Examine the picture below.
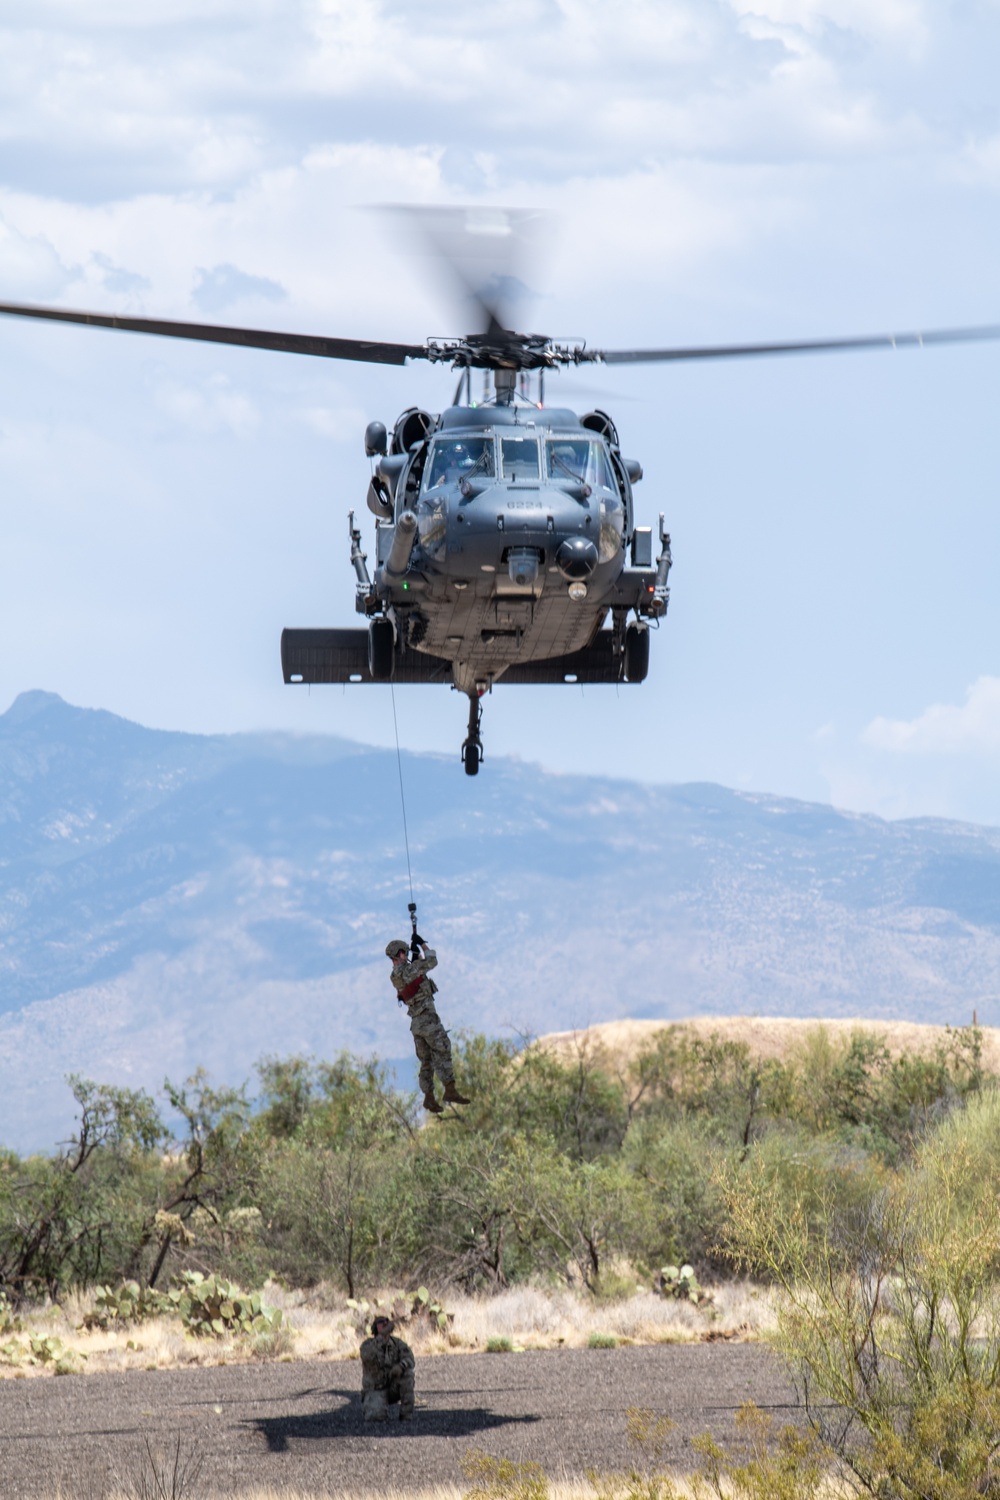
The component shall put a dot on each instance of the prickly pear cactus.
(402, 1307)
(680, 1282)
(128, 1303)
(212, 1306)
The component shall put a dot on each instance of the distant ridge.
(173, 900)
(766, 1036)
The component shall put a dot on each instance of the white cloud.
(32, 268)
(340, 424)
(903, 22)
(136, 99)
(211, 406)
(969, 728)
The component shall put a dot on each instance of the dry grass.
(559, 1489)
(767, 1036)
(323, 1327)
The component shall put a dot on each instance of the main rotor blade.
(799, 346)
(480, 252)
(369, 351)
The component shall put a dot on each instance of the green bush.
(602, 1341)
(892, 1314)
(502, 1479)
(567, 1167)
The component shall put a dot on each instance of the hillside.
(171, 900)
(778, 1037)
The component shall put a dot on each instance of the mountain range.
(170, 901)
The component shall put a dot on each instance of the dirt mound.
(767, 1036)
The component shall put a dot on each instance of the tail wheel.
(636, 653)
(381, 650)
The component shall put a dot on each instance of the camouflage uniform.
(386, 1377)
(429, 1036)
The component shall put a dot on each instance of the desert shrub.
(719, 1082)
(502, 1479)
(854, 1088)
(577, 1216)
(768, 1464)
(79, 1215)
(345, 1216)
(675, 1165)
(150, 1474)
(892, 1316)
(9, 1320)
(564, 1168)
(971, 1135)
(817, 1183)
(602, 1341)
(573, 1102)
(468, 1228)
(613, 1285)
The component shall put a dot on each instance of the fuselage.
(523, 518)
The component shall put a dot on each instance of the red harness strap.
(408, 992)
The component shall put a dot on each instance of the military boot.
(452, 1096)
(431, 1104)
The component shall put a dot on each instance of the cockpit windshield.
(580, 459)
(520, 458)
(459, 458)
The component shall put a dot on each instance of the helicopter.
(507, 548)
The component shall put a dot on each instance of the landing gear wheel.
(381, 650)
(472, 750)
(636, 653)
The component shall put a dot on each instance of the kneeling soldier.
(386, 1374)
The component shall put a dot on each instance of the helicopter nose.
(576, 557)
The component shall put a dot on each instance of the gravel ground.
(298, 1425)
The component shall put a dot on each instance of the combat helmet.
(395, 946)
(381, 1318)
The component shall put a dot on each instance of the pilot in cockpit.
(449, 466)
(568, 460)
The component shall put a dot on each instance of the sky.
(710, 172)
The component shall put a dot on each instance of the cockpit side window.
(459, 458)
(520, 458)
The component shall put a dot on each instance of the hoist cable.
(402, 799)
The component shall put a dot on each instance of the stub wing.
(342, 656)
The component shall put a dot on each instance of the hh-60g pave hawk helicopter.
(506, 546)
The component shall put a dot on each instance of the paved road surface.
(298, 1425)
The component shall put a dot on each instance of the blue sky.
(713, 172)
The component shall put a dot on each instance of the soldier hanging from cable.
(416, 990)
